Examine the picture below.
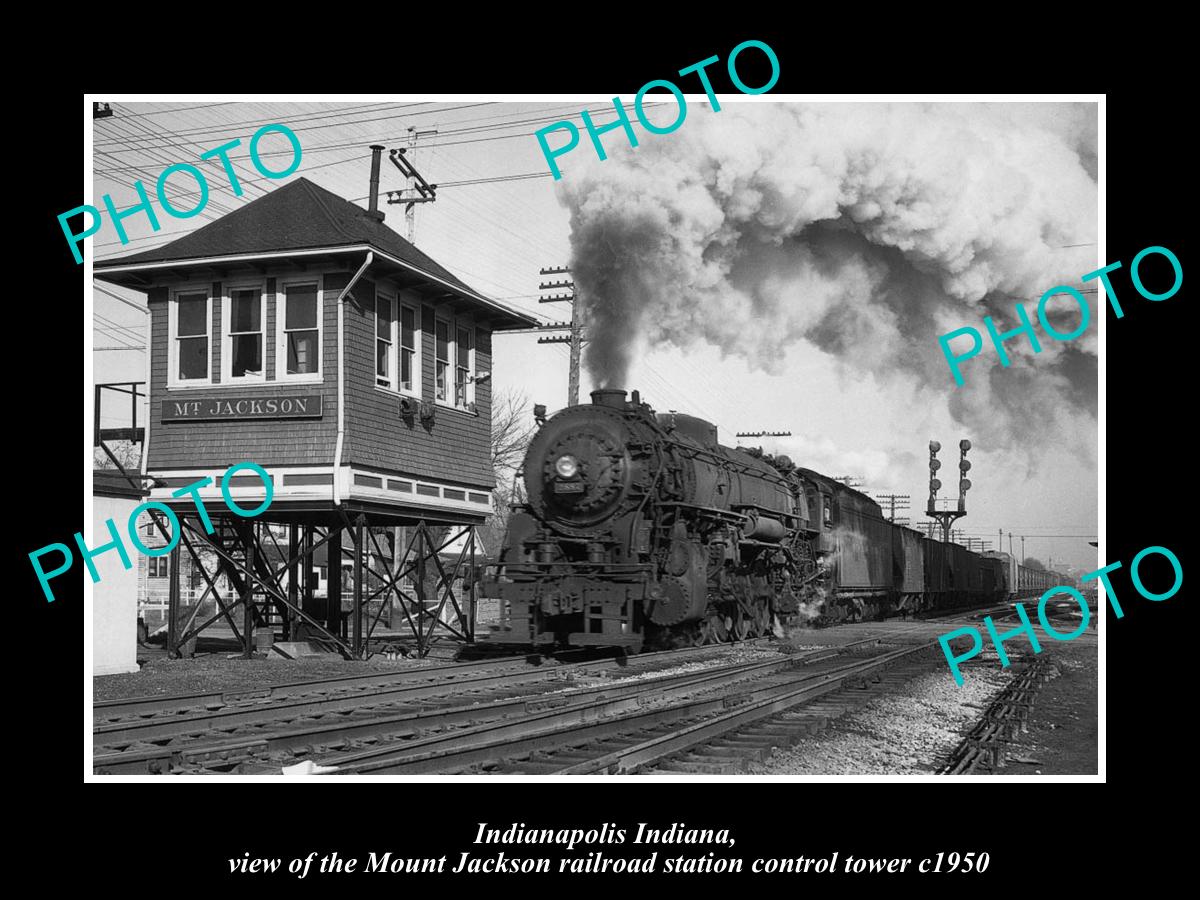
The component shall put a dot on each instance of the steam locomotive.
(641, 529)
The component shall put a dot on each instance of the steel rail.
(424, 721)
(585, 722)
(113, 710)
(146, 705)
(631, 758)
(385, 693)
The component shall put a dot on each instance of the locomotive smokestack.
(610, 397)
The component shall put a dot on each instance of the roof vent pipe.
(373, 210)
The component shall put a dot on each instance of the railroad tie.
(694, 768)
(807, 723)
(749, 744)
(570, 759)
(781, 736)
(757, 752)
(535, 768)
(710, 754)
(828, 710)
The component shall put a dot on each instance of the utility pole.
(417, 189)
(1010, 550)
(897, 501)
(1022, 549)
(573, 329)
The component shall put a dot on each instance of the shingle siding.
(455, 448)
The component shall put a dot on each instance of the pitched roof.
(299, 215)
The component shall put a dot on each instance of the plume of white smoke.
(865, 230)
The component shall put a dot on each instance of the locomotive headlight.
(567, 466)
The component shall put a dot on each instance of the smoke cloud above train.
(860, 230)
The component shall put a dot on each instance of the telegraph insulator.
(964, 485)
(935, 484)
(965, 465)
(964, 445)
(934, 446)
(934, 465)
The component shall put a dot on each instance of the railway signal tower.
(947, 517)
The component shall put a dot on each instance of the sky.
(780, 267)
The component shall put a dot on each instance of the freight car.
(641, 528)
(1021, 581)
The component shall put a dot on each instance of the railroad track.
(501, 715)
(631, 727)
(1006, 717)
(155, 734)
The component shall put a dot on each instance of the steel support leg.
(333, 598)
(359, 549)
(294, 567)
(422, 602)
(173, 604)
(248, 604)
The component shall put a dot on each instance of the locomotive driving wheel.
(742, 624)
(762, 621)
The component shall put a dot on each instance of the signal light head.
(935, 484)
(964, 485)
(965, 465)
(934, 446)
(964, 445)
(934, 465)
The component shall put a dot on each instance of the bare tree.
(128, 452)
(1034, 563)
(512, 429)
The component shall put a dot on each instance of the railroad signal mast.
(573, 329)
(947, 517)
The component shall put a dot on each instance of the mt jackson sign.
(201, 408)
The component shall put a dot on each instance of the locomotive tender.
(640, 528)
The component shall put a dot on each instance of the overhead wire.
(224, 130)
(178, 109)
(289, 119)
